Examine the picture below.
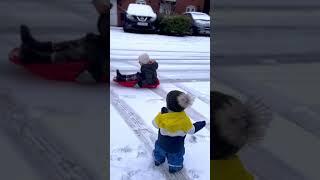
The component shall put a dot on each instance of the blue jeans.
(175, 160)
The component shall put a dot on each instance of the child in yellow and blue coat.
(174, 124)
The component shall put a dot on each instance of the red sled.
(133, 83)
(62, 71)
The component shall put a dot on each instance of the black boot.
(28, 40)
(118, 73)
(28, 56)
(119, 76)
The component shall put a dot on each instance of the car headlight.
(153, 19)
(130, 17)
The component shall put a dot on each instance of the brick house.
(159, 6)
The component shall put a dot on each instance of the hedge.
(174, 25)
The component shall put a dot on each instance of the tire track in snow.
(195, 93)
(154, 50)
(266, 165)
(160, 58)
(37, 144)
(113, 69)
(164, 78)
(143, 131)
(171, 80)
(167, 62)
(196, 116)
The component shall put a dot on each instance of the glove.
(199, 125)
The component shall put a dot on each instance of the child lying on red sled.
(146, 77)
(67, 60)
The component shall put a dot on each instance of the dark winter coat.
(148, 74)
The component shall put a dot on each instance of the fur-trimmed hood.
(177, 101)
(239, 123)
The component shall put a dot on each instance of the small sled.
(133, 83)
(61, 72)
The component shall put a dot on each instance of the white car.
(139, 17)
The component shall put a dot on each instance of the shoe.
(119, 76)
(174, 169)
(118, 72)
(156, 163)
(25, 34)
(32, 43)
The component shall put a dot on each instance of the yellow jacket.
(174, 122)
(230, 169)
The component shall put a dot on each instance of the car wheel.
(195, 32)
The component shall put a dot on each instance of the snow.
(183, 65)
(164, 67)
(200, 16)
(141, 10)
(128, 153)
(201, 87)
(129, 42)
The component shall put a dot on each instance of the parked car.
(139, 17)
(200, 23)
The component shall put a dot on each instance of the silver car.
(200, 23)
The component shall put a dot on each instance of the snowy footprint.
(156, 100)
(133, 163)
(194, 174)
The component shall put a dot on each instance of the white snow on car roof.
(140, 10)
(200, 16)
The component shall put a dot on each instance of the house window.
(141, 2)
(190, 8)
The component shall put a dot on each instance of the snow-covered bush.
(175, 25)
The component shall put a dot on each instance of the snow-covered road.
(184, 64)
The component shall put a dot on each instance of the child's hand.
(199, 125)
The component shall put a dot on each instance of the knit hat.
(177, 101)
(144, 58)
